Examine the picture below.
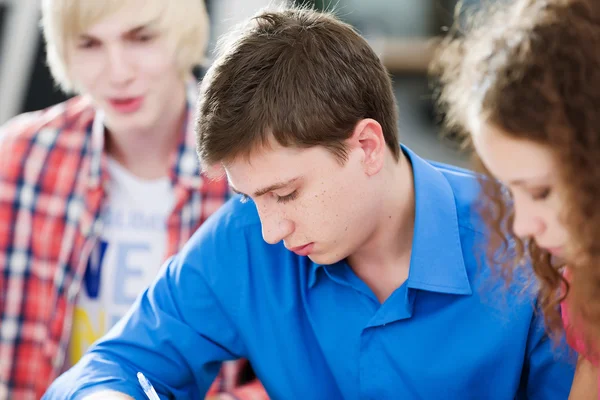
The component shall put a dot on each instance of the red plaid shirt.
(52, 179)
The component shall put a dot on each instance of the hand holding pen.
(147, 387)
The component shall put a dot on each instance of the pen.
(147, 386)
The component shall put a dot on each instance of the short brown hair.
(296, 75)
(533, 70)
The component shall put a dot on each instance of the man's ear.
(368, 137)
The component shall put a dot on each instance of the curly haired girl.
(523, 84)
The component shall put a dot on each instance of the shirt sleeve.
(176, 333)
(549, 367)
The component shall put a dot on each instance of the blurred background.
(403, 32)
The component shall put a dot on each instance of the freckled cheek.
(263, 210)
(326, 212)
(277, 212)
(320, 205)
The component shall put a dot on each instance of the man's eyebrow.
(267, 189)
(275, 186)
(133, 31)
(140, 28)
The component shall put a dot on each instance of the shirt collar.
(437, 263)
(185, 167)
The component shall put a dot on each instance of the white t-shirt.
(127, 257)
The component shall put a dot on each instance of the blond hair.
(186, 21)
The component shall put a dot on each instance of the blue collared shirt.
(318, 332)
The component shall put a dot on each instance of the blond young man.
(96, 192)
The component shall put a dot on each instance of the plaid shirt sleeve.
(229, 381)
(250, 391)
(24, 312)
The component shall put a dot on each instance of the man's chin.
(127, 123)
(323, 258)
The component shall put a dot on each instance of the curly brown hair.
(532, 68)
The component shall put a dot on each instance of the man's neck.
(146, 154)
(383, 262)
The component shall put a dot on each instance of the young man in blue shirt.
(351, 272)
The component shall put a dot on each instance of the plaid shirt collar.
(185, 168)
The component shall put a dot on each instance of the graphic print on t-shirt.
(127, 257)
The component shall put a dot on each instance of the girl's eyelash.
(541, 195)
